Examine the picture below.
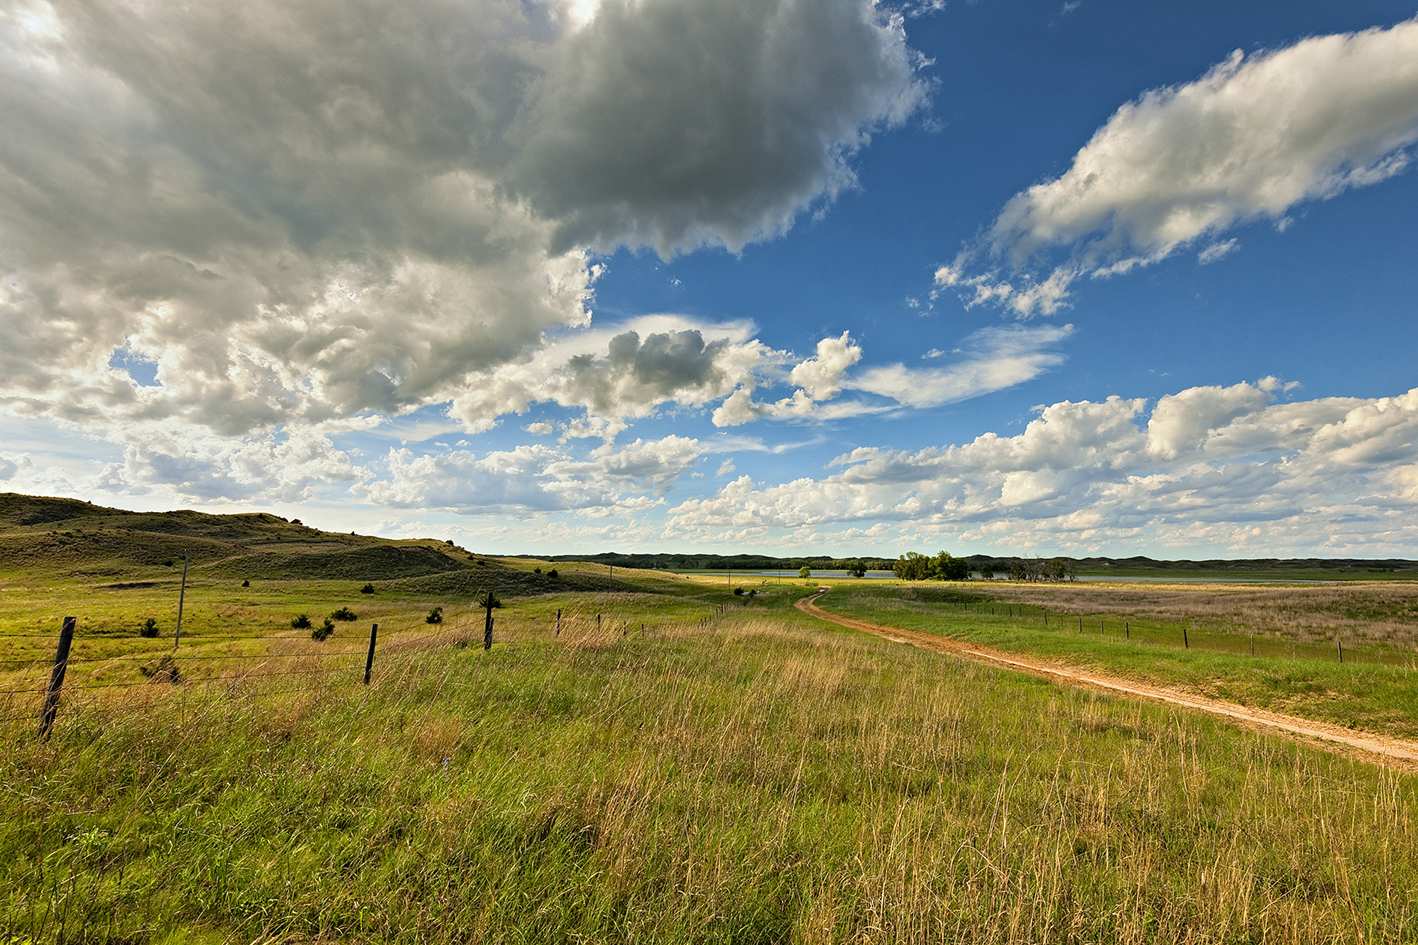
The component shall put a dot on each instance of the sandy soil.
(1390, 751)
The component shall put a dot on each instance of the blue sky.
(781, 276)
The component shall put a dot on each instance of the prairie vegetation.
(1374, 689)
(751, 778)
(643, 758)
(1364, 613)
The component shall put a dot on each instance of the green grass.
(755, 778)
(693, 766)
(1376, 689)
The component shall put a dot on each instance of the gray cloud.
(673, 124)
(315, 209)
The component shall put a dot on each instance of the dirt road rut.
(1391, 751)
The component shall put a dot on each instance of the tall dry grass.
(1378, 612)
(745, 780)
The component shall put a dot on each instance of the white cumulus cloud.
(1207, 464)
(1251, 139)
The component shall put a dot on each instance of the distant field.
(1143, 633)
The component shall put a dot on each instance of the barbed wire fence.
(72, 687)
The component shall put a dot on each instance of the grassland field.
(678, 764)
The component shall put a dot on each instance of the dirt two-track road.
(1391, 751)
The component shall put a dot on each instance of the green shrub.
(323, 631)
(434, 616)
(300, 622)
(344, 613)
(149, 628)
(367, 589)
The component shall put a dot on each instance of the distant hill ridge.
(70, 538)
(710, 562)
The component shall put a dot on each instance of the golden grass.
(1377, 612)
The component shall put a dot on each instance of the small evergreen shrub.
(367, 589)
(434, 616)
(322, 632)
(149, 628)
(344, 613)
(300, 622)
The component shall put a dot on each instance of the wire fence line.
(27, 697)
(172, 677)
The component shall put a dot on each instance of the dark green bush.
(300, 622)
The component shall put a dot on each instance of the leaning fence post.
(1186, 644)
(181, 596)
(56, 679)
(369, 660)
(558, 621)
(1341, 651)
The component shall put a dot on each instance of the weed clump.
(164, 670)
(149, 628)
(300, 622)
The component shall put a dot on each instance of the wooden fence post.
(1185, 642)
(1080, 624)
(369, 660)
(1341, 650)
(56, 679)
(558, 621)
(181, 596)
(1127, 630)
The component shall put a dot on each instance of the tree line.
(710, 562)
(943, 566)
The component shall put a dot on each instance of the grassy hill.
(44, 538)
(250, 575)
